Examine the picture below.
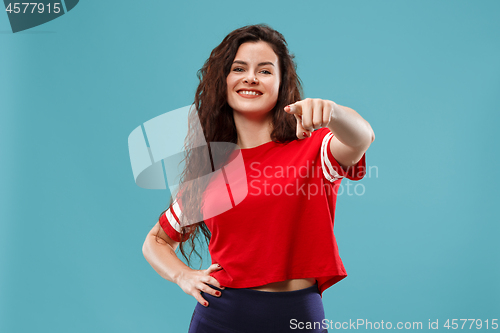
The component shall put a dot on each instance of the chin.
(252, 109)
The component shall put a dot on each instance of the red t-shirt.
(276, 224)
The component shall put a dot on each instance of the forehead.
(256, 51)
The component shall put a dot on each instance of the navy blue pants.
(248, 310)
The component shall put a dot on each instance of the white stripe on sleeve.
(170, 217)
(326, 165)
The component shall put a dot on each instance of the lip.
(249, 96)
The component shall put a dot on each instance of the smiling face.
(254, 79)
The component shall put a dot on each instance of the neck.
(252, 131)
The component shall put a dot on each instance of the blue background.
(420, 244)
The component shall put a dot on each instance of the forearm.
(161, 256)
(350, 128)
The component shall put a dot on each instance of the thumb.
(213, 267)
(296, 110)
(301, 132)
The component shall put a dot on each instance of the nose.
(251, 79)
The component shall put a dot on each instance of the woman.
(274, 252)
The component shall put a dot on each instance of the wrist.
(179, 275)
(333, 117)
(335, 112)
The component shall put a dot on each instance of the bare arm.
(161, 256)
(352, 135)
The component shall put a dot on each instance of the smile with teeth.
(247, 92)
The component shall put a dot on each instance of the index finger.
(295, 108)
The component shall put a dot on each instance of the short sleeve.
(332, 170)
(170, 221)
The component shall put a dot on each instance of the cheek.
(230, 80)
(229, 85)
(276, 89)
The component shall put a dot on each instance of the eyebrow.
(261, 64)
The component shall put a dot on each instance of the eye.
(236, 69)
(267, 72)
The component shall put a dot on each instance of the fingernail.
(205, 304)
(218, 265)
(304, 134)
(217, 293)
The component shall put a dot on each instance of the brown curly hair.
(216, 118)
